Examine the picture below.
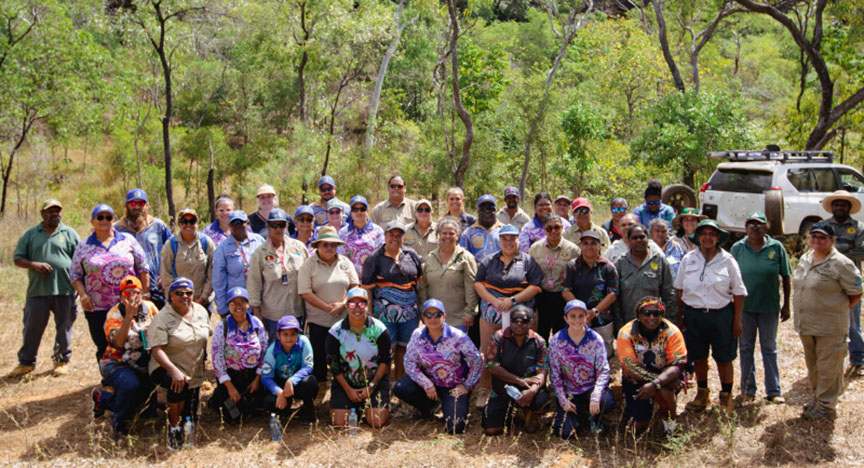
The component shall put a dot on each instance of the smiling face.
(755, 231)
(327, 191)
(393, 239)
(653, 203)
(509, 244)
(304, 223)
(689, 224)
(562, 208)
(638, 241)
(223, 209)
(238, 307)
(188, 225)
(433, 319)
(396, 189)
(288, 338)
(455, 201)
(659, 234)
(486, 215)
(840, 208)
(181, 299)
(238, 230)
(708, 237)
(650, 317)
(334, 217)
(576, 318)
(266, 202)
(820, 243)
(448, 237)
(542, 208)
(619, 209)
(520, 323)
(360, 214)
(102, 222)
(357, 309)
(423, 213)
(590, 248)
(553, 230)
(512, 202)
(327, 250)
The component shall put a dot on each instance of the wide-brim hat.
(327, 234)
(842, 195)
(724, 235)
(676, 221)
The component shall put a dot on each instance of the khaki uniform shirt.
(184, 340)
(573, 233)
(652, 278)
(264, 280)
(520, 219)
(821, 294)
(849, 239)
(192, 262)
(452, 284)
(423, 244)
(329, 282)
(553, 262)
(385, 212)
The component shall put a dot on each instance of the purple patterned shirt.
(533, 231)
(236, 349)
(577, 369)
(101, 269)
(214, 232)
(360, 243)
(450, 361)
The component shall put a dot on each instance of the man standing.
(512, 213)
(481, 239)
(582, 213)
(46, 250)
(396, 207)
(850, 242)
(653, 207)
(562, 208)
(151, 233)
(327, 189)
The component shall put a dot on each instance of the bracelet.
(656, 383)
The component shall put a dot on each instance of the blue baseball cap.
(304, 209)
(511, 191)
(237, 215)
(326, 180)
(181, 283)
(486, 199)
(359, 199)
(508, 229)
(136, 194)
(361, 293)
(102, 208)
(288, 322)
(434, 304)
(575, 304)
(234, 293)
(277, 214)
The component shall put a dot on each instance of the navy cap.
(136, 194)
(181, 283)
(508, 229)
(102, 208)
(304, 209)
(434, 304)
(575, 304)
(277, 214)
(486, 199)
(287, 323)
(234, 293)
(359, 199)
(237, 215)
(824, 228)
(326, 180)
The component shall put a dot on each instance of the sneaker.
(96, 397)
(482, 397)
(776, 399)
(747, 398)
(175, 438)
(60, 368)
(21, 370)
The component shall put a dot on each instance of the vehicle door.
(813, 185)
(852, 181)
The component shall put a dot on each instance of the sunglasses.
(424, 210)
(236, 223)
(620, 209)
(277, 225)
(753, 225)
(107, 217)
(184, 293)
(185, 221)
(433, 315)
(327, 245)
(486, 208)
(357, 305)
(355, 209)
(520, 320)
(652, 203)
(325, 189)
(396, 186)
(304, 219)
(554, 228)
(582, 210)
(653, 313)
(137, 203)
(334, 212)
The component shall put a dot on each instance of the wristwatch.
(656, 384)
(512, 299)
(372, 385)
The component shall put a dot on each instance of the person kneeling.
(580, 373)
(516, 357)
(653, 356)
(443, 364)
(287, 371)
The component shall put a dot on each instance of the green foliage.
(481, 77)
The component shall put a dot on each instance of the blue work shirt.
(151, 238)
(480, 241)
(230, 264)
(294, 365)
(666, 213)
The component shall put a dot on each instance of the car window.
(851, 181)
(740, 180)
(812, 180)
(825, 179)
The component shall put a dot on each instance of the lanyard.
(549, 266)
(243, 257)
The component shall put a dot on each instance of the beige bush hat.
(842, 195)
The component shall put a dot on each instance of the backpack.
(204, 240)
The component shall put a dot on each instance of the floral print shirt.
(448, 362)
(213, 231)
(235, 349)
(533, 231)
(643, 358)
(102, 268)
(674, 253)
(578, 368)
(357, 355)
(136, 351)
(360, 243)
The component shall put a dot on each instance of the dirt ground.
(46, 420)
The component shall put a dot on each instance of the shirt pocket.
(721, 281)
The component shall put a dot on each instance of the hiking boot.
(854, 371)
(96, 397)
(701, 402)
(307, 414)
(60, 368)
(21, 370)
(726, 404)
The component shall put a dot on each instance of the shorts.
(380, 397)
(400, 332)
(162, 378)
(712, 330)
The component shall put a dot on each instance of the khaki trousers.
(824, 356)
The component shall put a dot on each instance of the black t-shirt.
(522, 361)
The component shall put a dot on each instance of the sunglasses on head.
(277, 225)
(520, 320)
(355, 209)
(357, 305)
(619, 209)
(106, 217)
(583, 210)
(184, 292)
(184, 221)
(304, 219)
(652, 203)
(652, 312)
(554, 228)
(424, 210)
(137, 203)
(334, 212)
(396, 186)
(433, 315)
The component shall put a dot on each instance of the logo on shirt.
(343, 266)
(61, 239)
(654, 266)
(269, 258)
(153, 237)
(409, 238)
(477, 242)
(771, 255)
(851, 230)
(266, 368)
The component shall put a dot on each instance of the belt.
(706, 310)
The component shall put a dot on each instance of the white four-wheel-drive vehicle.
(788, 186)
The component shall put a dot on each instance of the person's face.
(304, 222)
(708, 238)
(689, 224)
(238, 230)
(266, 201)
(433, 319)
(327, 250)
(357, 309)
(590, 248)
(486, 214)
(520, 323)
(424, 213)
(288, 338)
(131, 296)
(755, 230)
(276, 229)
(509, 244)
(576, 318)
(448, 236)
(512, 201)
(840, 208)
(562, 208)
(619, 209)
(653, 203)
(51, 216)
(583, 216)
(393, 238)
(638, 242)
(820, 243)
(659, 234)
(650, 317)
(188, 224)
(238, 307)
(102, 221)
(455, 201)
(553, 230)
(542, 208)
(181, 299)
(224, 209)
(626, 222)
(396, 188)
(135, 208)
(359, 213)
(327, 191)
(334, 217)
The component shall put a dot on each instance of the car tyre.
(678, 196)
(774, 211)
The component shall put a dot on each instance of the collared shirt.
(231, 265)
(761, 271)
(613, 233)
(574, 235)
(272, 279)
(294, 365)
(319, 210)
(533, 231)
(508, 280)
(448, 362)
(357, 355)
(685, 243)
(522, 361)
(360, 243)
(665, 212)
(616, 251)
(674, 253)
(709, 285)
(643, 360)
(393, 282)
(652, 278)
(465, 219)
(849, 239)
(312, 238)
(330, 282)
(481, 241)
(192, 261)
(238, 350)
(103, 268)
(578, 368)
(821, 294)
(151, 239)
(421, 243)
(592, 284)
(553, 261)
(452, 284)
(184, 340)
(135, 353)
(385, 212)
(520, 219)
(215, 233)
(56, 250)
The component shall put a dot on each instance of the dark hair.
(550, 218)
(522, 308)
(654, 188)
(636, 226)
(617, 200)
(394, 176)
(650, 300)
(541, 196)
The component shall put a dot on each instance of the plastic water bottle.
(353, 423)
(188, 433)
(513, 392)
(275, 428)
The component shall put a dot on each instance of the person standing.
(562, 208)
(396, 207)
(231, 260)
(456, 208)
(620, 247)
(685, 225)
(533, 231)
(361, 236)
(582, 214)
(653, 207)
(849, 240)
(481, 239)
(642, 272)
(448, 275)
(321, 207)
(512, 213)
(336, 214)
(421, 235)
(618, 208)
(267, 201)
(46, 250)
(151, 233)
(219, 230)
(189, 254)
(762, 261)
(552, 255)
(305, 233)
(659, 231)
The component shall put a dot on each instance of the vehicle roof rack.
(768, 155)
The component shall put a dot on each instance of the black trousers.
(248, 402)
(550, 313)
(318, 339)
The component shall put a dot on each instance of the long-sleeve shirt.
(642, 358)
(294, 365)
(451, 283)
(533, 231)
(448, 362)
(653, 277)
(272, 279)
(151, 238)
(665, 212)
(230, 266)
(193, 260)
(360, 243)
(103, 268)
(578, 368)
(234, 349)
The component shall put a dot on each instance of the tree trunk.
(464, 116)
(664, 45)
(330, 126)
(26, 125)
(211, 189)
(301, 84)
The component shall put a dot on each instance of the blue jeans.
(455, 409)
(131, 390)
(270, 326)
(856, 341)
(566, 424)
(400, 332)
(766, 326)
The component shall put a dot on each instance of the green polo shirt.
(761, 273)
(57, 250)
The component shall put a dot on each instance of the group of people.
(444, 307)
